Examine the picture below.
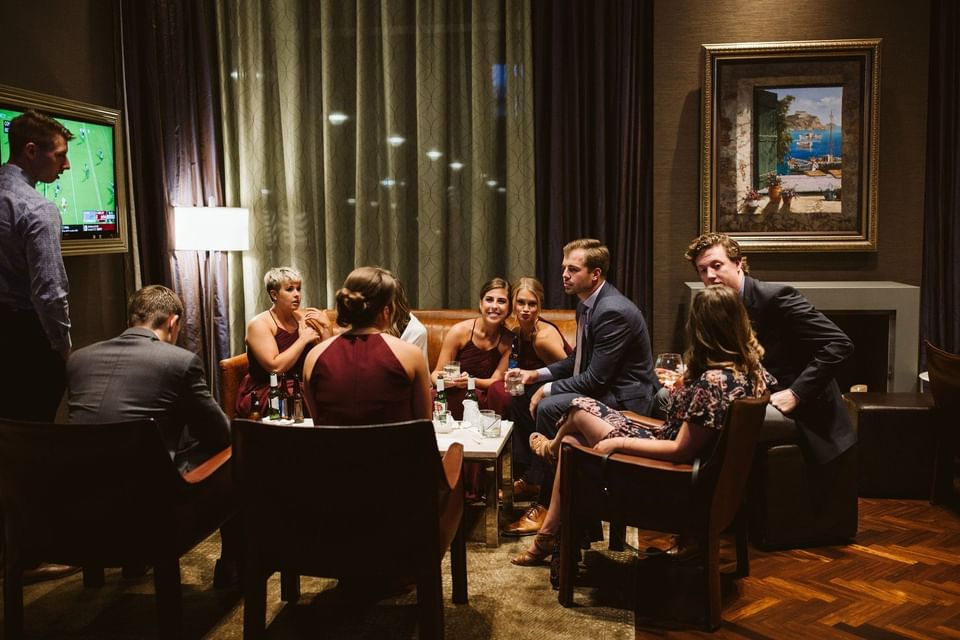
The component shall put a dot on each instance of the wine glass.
(668, 368)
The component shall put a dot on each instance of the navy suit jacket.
(803, 350)
(136, 375)
(616, 366)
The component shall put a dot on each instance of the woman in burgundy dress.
(364, 375)
(278, 339)
(539, 343)
(482, 345)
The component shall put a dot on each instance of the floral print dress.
(703, 401)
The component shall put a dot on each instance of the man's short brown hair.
(595, 253)
(33, 126)
(152, 306)
(705, 241)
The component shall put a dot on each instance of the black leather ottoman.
(793, 502)
(895, 434)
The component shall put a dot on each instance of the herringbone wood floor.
(901, 579)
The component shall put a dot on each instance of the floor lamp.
(206, 229)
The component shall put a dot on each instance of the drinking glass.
(513, 383)
(489, 424)
(668, 368)
(451, 370)
(442, 422)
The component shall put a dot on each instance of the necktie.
(581, 331)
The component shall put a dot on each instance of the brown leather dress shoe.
(529, 523)
(47, 571)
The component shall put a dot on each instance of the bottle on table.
(273, 399)
(296, 401)
(284, 397)
(471, 404)
(254, 407)
(440, 402)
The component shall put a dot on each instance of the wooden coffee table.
(495, 454)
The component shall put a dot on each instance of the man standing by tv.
(35, 338)
(34, 315)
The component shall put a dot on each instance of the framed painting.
(790, 130)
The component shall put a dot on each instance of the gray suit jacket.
(136, 375)
(803, 351)
(616, 366)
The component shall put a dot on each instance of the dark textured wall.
(67, 48)
(680, 27)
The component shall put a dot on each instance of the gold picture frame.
(790, 144)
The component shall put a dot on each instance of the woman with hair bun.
(364, 375)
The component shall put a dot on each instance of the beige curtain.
(388, 132)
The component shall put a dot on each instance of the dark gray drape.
(170, 62)
(593, 102)
(940, 307)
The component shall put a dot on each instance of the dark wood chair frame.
(104, 495)
(698, 500)
(305, 497)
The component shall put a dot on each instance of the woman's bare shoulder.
(262, 321)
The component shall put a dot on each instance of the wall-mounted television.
(92, 194)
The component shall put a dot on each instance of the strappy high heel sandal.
(540, 445)
(544, 546)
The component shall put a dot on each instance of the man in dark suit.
(803, 348)
(612, 361)
(143, 374)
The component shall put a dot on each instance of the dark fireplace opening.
(870, 364)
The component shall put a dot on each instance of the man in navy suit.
(612, 361)
(803, 348)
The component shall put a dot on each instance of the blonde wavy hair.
(720, 336)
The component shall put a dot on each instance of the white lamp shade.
(211, 228)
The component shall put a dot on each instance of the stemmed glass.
(668, 368)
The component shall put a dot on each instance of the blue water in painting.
(819, 148)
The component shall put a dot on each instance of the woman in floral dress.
(723, 365)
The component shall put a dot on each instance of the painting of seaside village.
(798, 142)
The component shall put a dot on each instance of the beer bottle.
(296, 401)
(440, 400)
(471, 390)
(254, 406)
(284, 397)
(273, 398)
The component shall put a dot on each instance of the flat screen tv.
(92, 194)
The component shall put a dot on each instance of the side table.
(896, 442)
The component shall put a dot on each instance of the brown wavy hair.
(401, 310)
(707, 240)
(720, 335)
(364, 294)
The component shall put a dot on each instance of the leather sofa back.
(439, 321)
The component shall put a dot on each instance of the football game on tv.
(86, 194)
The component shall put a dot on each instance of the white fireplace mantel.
(900, 301)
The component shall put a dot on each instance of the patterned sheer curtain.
(389, 132)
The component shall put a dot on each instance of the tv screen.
(91, 206)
